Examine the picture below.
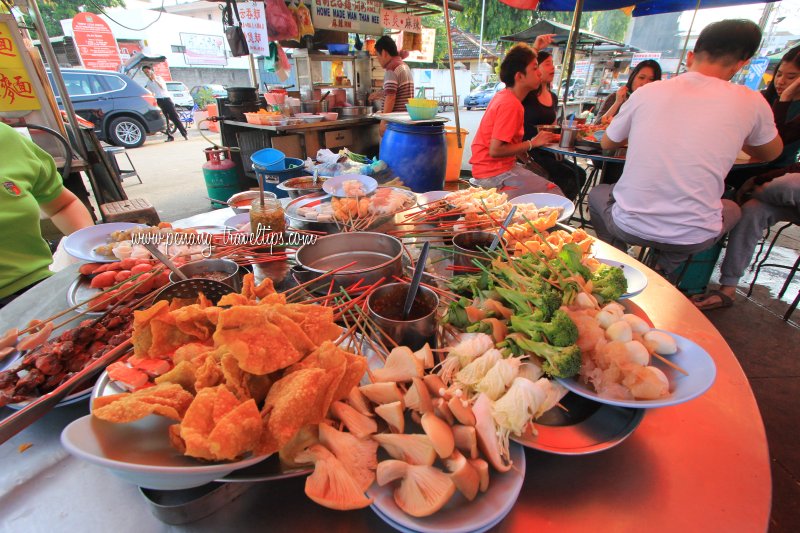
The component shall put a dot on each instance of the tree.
(500, 19)
(55, 10)
(440, 49)
(612, 24)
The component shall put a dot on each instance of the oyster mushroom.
(359, 425)
(423, 490)
(359, 456)
(394, 415)
(382, 392)
(464, 476)
(401, 365)
(440, 433)
(331, 485)
(415, 449)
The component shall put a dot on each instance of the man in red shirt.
(498, 141)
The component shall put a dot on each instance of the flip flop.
(701, 301)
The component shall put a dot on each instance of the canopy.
(650, 7)
(561, 32)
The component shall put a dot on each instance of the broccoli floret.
(609, 283)
(560, 331)
(559, 361)
(570, 256)
(547, 299)
(471, 284)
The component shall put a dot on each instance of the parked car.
(122, 111)
(577, 86)
(483, 94)
(217, 91)
(180, 94)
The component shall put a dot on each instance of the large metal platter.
(80, 291)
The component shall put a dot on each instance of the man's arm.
(388, 102)
(498, 148)
(67, 212)
(764, 152)
(608, 144)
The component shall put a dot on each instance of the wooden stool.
(133, 210)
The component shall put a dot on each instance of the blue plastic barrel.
(270, 178)
(417, 154)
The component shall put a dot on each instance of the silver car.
(180, 94)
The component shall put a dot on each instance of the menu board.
(16, 89)
(254, 26)
(395, 20)
(95, 42)
(428, 45)
(354, 16)
(638, 57)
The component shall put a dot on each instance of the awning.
(651, 7)
(586, 37)
(138, 60)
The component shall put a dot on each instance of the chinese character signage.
(354, 16)
(95, 42)
(428, 44)
(400, 21)
(643, 56)
(16, 90)
(203, 49)
(254, 25)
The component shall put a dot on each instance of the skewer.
(670, 364)
(294, 290)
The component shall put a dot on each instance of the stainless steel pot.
(412, 333)
(468, 246)
(376, 256)
(353, 111)
(315, 107)
(233, 278)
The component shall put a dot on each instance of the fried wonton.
(217, 427)
(208, 373)
(168, 399)
(184, 374)
(142, 336)
(191, 351)
(193, 320)
(315, 320)
(166, 337)
(251, 291)
(233, 298)
(329, 356)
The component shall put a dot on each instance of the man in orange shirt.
(498, 141)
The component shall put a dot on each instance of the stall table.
(699, 466)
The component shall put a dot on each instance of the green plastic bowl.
(421, 113)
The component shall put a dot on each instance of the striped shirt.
(399, 82)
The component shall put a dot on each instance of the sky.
(787, 8)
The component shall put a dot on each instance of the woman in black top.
(541, 107)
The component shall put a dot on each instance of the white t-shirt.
(683, 137)
(157, 87)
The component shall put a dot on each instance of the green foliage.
(499, 20)
(440, 49)
(611, 24)
(53, 11)
(204, 97)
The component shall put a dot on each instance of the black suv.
(122, 111)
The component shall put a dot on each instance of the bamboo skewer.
(670, 364)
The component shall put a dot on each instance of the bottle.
(267, 218)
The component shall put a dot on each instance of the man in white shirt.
(683, 137)
(157, 86)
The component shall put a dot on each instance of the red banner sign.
(162, 69)
(95, 42)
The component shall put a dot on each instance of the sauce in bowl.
(389, 304)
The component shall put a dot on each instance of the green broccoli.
(544, 297)
(570, 257)
(560, 331)
(456, 314)
(609, 283)
(471, 284)
(559, 361)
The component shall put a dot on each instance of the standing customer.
(30, 183)
(541, 108)
(398, 82)
(157, 86)
(498, 141)
(683, 136)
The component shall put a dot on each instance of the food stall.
(697, 444)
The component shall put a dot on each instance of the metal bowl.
(352, 111)
(212, 265)
(469, 246)
(412, 333)
(376, 256)
(303, 185)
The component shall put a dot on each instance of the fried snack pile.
(553, 243)
(241, 379)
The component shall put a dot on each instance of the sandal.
(713, 299)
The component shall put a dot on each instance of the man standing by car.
(157, 86)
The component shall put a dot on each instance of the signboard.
(203, 49)
(393, 20)
(254, 25)
(162, 69)
(16, 89)
(755, 72)
(355, 16)
(128, 49)
(95, 42)
(644, 56)
(428, 44)
(581, 68)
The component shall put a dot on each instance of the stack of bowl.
(422, 108)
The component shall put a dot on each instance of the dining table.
(702, 465)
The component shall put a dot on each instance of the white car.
(180, 94)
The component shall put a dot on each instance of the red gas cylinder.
(219, 171)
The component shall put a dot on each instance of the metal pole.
(52, 61)
(446, 10)
(253, 73)
(480, 47)
(686, 41)
(572, 46)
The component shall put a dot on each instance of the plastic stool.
(113, 151)
(134, 210)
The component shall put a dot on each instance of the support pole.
(572, 46)
(446, 10)
(480, 46)
(253, 73)
(686, 41)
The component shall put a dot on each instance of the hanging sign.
(162, 69)
(394, 20)
(16, 89)
(254, 25)
(644, 56)
(428, 45)
(128, 49)
(95, 42)
(355, 16)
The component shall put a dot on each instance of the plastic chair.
(763, 263)
(112, 152)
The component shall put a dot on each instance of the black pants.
(567, 175)
(168, 108)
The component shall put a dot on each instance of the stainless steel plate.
(80, 291)
(585, 427)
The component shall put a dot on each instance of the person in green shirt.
(30, 183)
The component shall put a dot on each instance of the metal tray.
(585, 427)
(178, 507)
(80, 291)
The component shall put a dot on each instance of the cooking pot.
(240, 95)
(376, 256)
(353, 111)
(237, 111)
(315, 106)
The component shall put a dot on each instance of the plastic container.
(698, 270)
(268, 159)
(267, 218)
(213, 111)
(339, 49)
(417, 154)
(270, 178)
(454, 154)
(421, 113)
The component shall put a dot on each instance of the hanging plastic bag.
(281, 25)
(293, 10)
(304, 24)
